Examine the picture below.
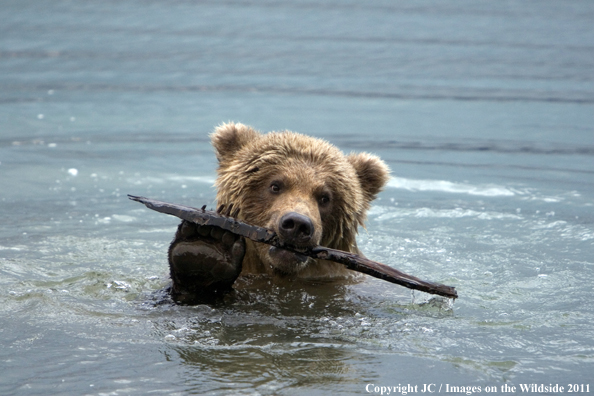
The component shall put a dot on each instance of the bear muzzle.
(296, 229)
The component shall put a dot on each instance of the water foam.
(489, 190)
(385, 213)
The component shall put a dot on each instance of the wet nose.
(296, 228)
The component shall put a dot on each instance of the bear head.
(303, 188)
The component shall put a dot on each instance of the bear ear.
(373, 173)
(228, 138)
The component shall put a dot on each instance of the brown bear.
(303, 188)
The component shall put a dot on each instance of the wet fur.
(309, 169)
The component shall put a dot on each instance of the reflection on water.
(309, 335)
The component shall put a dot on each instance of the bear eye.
(324, 200)
(275, 187)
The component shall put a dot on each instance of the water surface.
(484, 111)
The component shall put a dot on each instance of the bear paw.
(204, 261)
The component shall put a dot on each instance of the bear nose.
(296, 228)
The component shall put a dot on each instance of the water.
(483, 110)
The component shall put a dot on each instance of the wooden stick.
(263, 235)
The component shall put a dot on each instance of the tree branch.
(263, 235)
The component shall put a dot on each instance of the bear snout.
(296, 229)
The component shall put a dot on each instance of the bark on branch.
(263, 235)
